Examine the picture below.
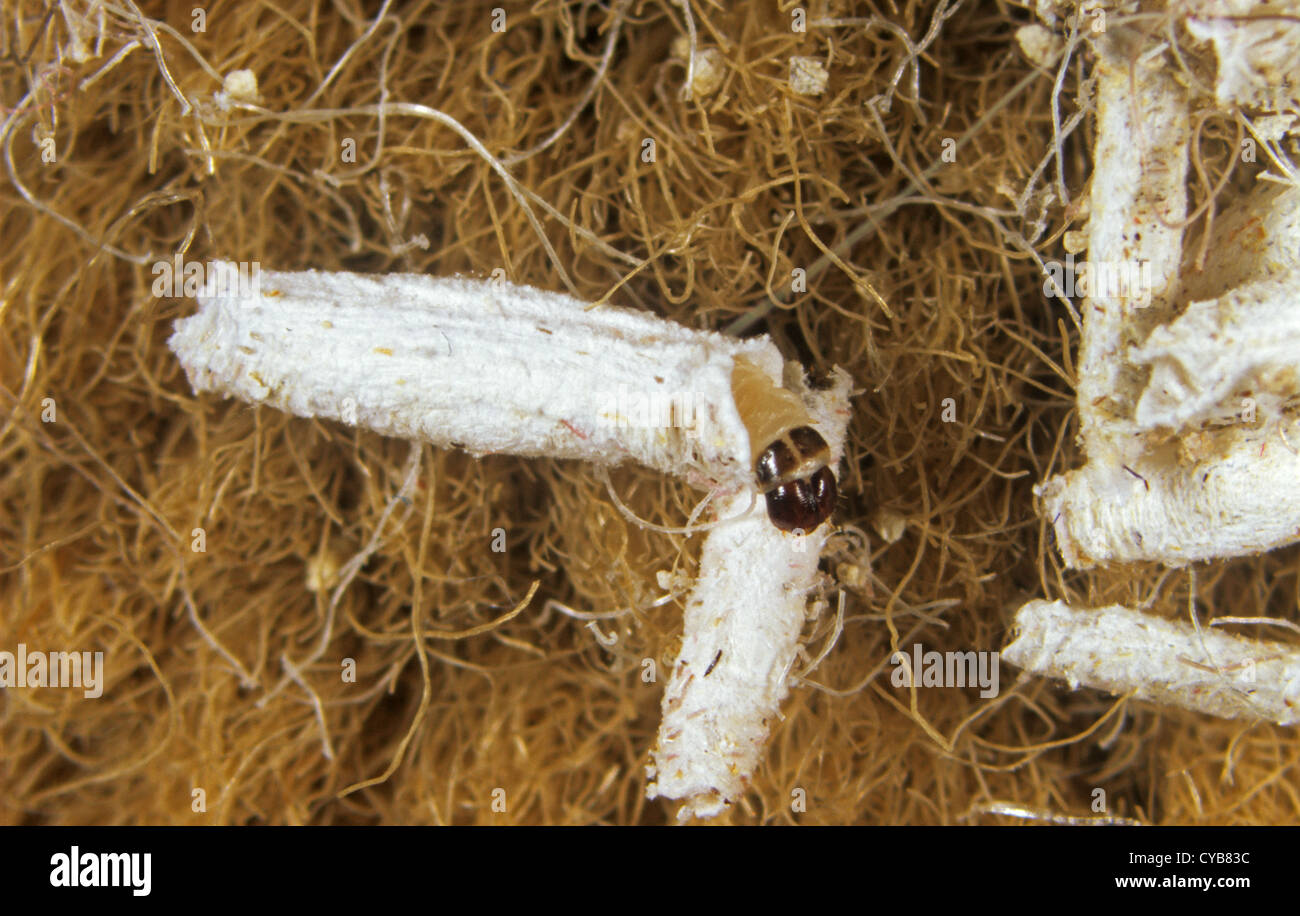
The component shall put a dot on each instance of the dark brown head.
(803, 504)
(793, 476)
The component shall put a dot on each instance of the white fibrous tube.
(1134, 227)
(709, 744)
(741, 637)
(1258, 238)
(492, 367)
(1213, 442)
(1238, 497)
(484, 365)
(1188, 391)
(1239, 338)
(1259, 55)
(1238, 341)
(1135, 214)
(1241, 347)
(1125, 651)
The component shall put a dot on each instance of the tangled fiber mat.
(894, 224)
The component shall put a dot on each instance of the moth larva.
(790, 458)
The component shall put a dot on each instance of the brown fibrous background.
(197, 541)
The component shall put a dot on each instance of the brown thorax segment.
(796, 454)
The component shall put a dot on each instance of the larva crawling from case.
(494, 367)
(790, 459)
